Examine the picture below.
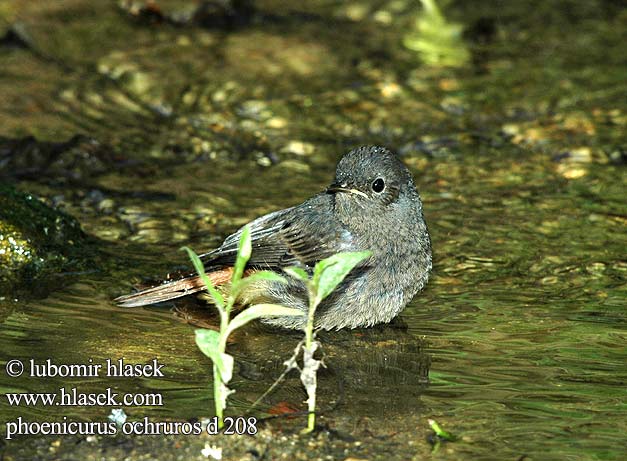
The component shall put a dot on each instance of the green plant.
(327, 275)
(213, 343)
(440, 435)
(438, 41)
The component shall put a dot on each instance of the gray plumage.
(371, 205)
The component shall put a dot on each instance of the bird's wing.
(298, 236)
(301, 235)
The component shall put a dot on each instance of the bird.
(371, 205)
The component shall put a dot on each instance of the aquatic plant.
(438, 41)
(213, 343)
(440, 435)
(327, 275)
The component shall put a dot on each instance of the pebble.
(298, 148)
(295, 166)
(276, 122)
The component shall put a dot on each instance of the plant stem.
(311, 419)
(309, 336)
(310, 323)
(217, 377)
(430, 7)
(311, 416)
(217, 394)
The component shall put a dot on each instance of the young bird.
(373, 205)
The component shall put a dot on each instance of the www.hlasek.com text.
(73, 398)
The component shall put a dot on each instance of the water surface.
(517, 345)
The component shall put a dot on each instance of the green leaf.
(260, 310)
(200, 268)
(256, 277)
(438, 41)
(208, 342)
(244, 250)
(330, 272)
(441, 433)
(297, 273)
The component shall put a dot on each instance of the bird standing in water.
(373, 205)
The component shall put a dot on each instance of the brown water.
(522, 327)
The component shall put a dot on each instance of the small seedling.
(438, 41)
(213, 343)
(440, 435)
(327, 275)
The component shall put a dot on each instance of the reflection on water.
(521, 331)
(527, 325)
(517, 344)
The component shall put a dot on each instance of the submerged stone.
(77, 158)
(36, 243)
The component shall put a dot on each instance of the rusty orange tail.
(175, 289)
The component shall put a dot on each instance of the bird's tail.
(172, 290)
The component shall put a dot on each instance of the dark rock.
(37, 244)
(15, 37)
(80, 157)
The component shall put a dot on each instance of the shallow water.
(522, 328)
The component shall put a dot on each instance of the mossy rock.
(37, 244)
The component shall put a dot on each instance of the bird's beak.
(333, 188)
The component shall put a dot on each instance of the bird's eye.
(378, 185)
